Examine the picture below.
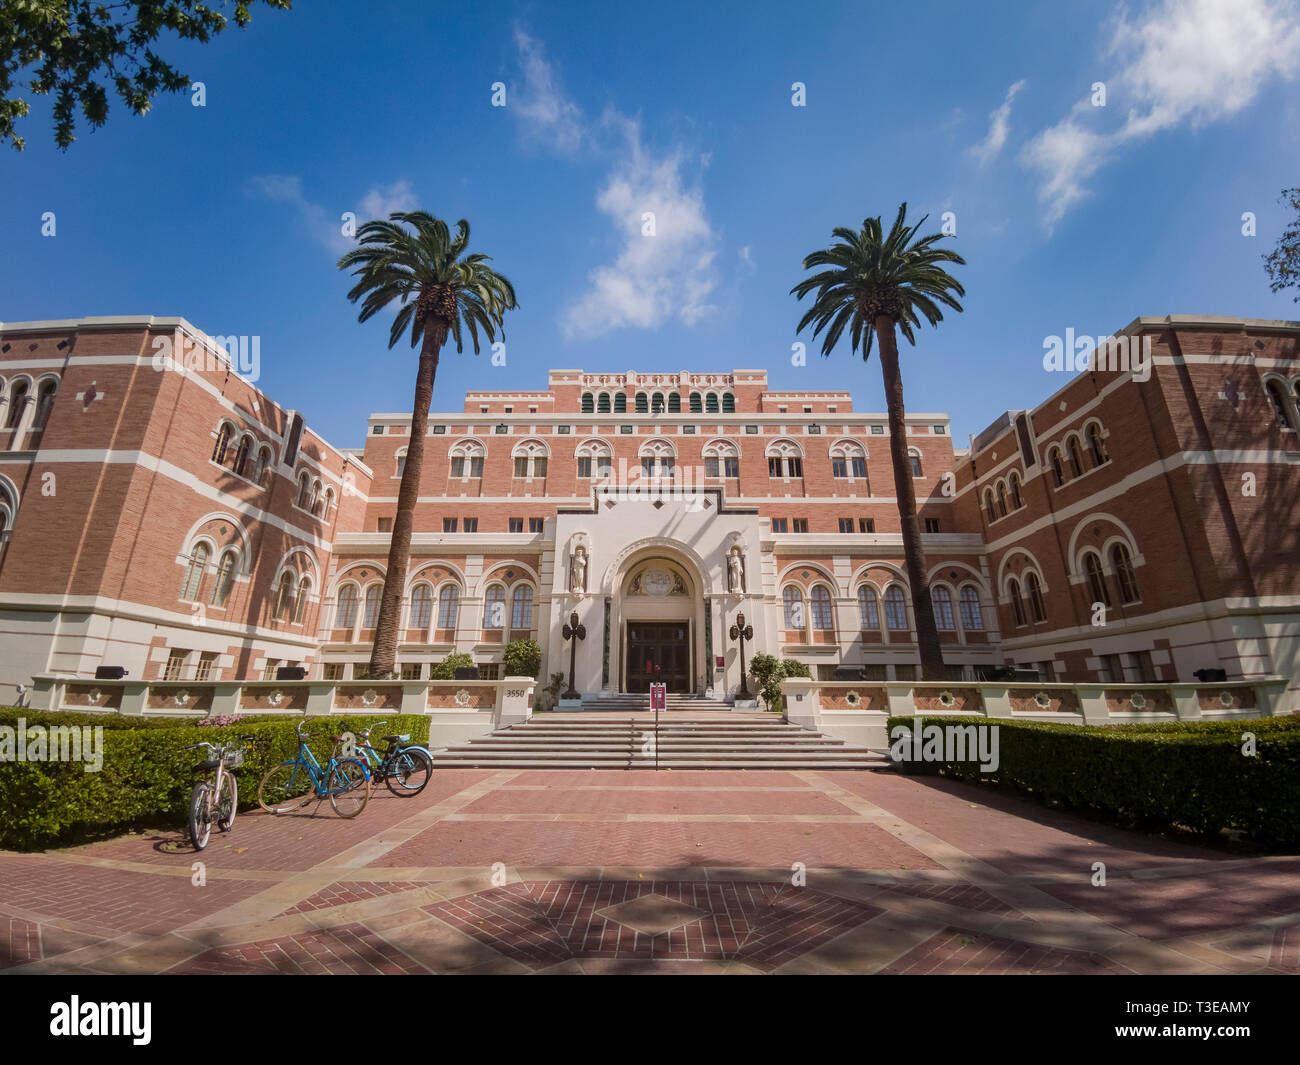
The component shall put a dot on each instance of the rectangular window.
(939, 430)
(535, 524)
(647, 467)
(439, 430)
(333, 671)
(1111, 669)
(476, 467)
(626, 430)
(867, 525)
(487, 670)
(539, 466)
(175, 665)
(795, 465)
(604, 467)
(932, 525)
(521, 466)
(688, 430)
(1047, 671)
(471, 525)
(751, 430)
(801, 525)
(1138, 668)
(272, 664)
(207, 664)
(731, 466)
(779, 525)
(807, 410)
(859, 467)
(846, 525)
(711, 467)
(564, 430)
(774, 466)
(385, 524)
(584, 466)
(361, 671)
(411, 670)
(516, 524)
(458, 466)
(448, 524)
(839, 468)
(877, 430)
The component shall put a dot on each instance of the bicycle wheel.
(227, 802)
(285, 787)
(408, 773)
(200, 826)
(349, 788)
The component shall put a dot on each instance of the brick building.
(162, 514)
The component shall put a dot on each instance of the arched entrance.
(658, 615)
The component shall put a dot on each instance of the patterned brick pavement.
(693, 872)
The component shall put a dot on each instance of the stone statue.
(735, 573)
(578, 571)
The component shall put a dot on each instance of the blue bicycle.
(405, 769)
(292, 785)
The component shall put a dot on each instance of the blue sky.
(1069, 215)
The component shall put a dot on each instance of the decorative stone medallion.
(1226, 699)
(1042, 699)
(853, 698)
(94, 695)
(946, 698)
(369, 697)
(181, 697)
(462, 697)
(1138, 701)
(276, 697)
(658, 582)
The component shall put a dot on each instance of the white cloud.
(1181, 62)
(999, 127)
(653, 278)
(546, 115)
(326, 226)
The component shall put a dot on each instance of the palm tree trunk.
(927, 636)
(383, 656)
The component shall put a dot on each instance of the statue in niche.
(735, 571)
(578, 570)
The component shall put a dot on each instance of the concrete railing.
(857, 712)
(457, 709)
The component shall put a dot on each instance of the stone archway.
(657, 620)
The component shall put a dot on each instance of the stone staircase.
(686, 739)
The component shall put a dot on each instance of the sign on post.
(658, 696)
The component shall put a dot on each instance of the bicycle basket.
(234, 759)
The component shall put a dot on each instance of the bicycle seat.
(397, 739)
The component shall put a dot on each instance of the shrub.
(146, 777)
(1185, 774)
(446, 669)
(523, 658)
(768, 671)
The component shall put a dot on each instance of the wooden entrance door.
(658, 652)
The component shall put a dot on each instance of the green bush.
(768, 671)
(446, 669)
(1188, 774)
(523, 658)
(146, 777)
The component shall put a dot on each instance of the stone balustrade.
(857, 712)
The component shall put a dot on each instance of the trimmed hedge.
(146, 777)
(1189, 775)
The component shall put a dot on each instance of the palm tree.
(874, 284)
(452, 292)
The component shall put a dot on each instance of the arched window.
(300, 604)
(313, 500)
(1016, 501)
(696, 404)
(1095, 445)
(1035, 591)
(225, 577)
(595, 460)
(240, 463)
(194, 572)
(792, 602)
(284, 597)
(466, 459)
(263, 465)
(44, 403)
(494, 608)
(1278, 396)
(674, 403)
(914, 460)
(1096, 580)
(304, 490)
(222, 444)
(401, 462)
(1054, 459)
(588, 403)
(620, 403)
(373, 594)
(711, 403)
(448, 606)
(1076, 460)
(329, 501)
(972, 618)
(868, 608)
(1122, 563)
(820, 597)
(1017, 604)
(521, 608)
(602, 405)
(895, 608)
(941, 599)
(17, 404)
(849, 460)
(1002, 501)
(421, 606)
(728, 403)
(642, 403)
(346, 614)
(990, 506)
